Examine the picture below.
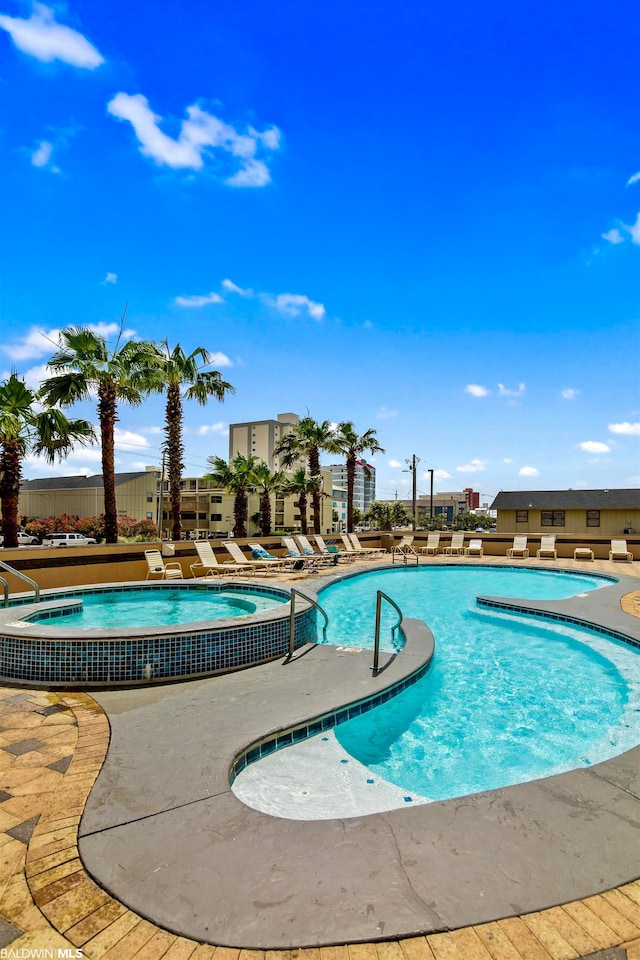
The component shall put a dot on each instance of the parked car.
(67, 540)
(24, 539)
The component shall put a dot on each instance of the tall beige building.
(258, 438)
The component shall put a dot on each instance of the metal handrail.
(21, 576)
(5, 586)
(292, 622)
(380, 596)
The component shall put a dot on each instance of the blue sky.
(422, 218)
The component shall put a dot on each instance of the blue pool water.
(151, 607)
(508, 698)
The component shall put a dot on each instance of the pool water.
(151, 607)
(507, 699)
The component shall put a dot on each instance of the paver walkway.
(52, 746)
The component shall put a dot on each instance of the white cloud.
(476, 390)
(198, 301)
(440, 475)
(507, 460)
(569, 393)
(474, 466)
(234, 288)
(528, 472)
(220, 428)
(126, 438)
(42, 154)
(199, 136)
(111, 278)
(43, 38)
(634, 179)
(154, 431)
(220, 359)
(292, 304)
(613, 236)
(594, 446)
(631, 429)
(504, 392)
(386, 414)
(394, 463)
(619, 234)
(39, 341)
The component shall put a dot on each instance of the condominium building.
(258, 438)
(364, 487)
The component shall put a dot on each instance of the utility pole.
(431, 495)
(412, 469)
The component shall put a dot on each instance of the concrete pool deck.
(162, 821)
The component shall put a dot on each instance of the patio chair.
(300, 561)
(432, 545)
(333, 550)
(305, 547)
(475, 549)
(239, 558)
(547, 548)
(519, 549)
(258, 552)
(619, 551)
(583, 553)
(404, 549)
(212, 567)
(158, 568)
(357, 546)
(456, 547)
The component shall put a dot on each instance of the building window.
(593, 518)
(149, 516)
(552, 518)
(522, 516)
(216, 499)
(149, 498)
(216, 517)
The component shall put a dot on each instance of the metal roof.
(625, 499)
(80, 483)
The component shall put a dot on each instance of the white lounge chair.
(519, 549)
(619, 551)
(347, 555)
(208, 562)
(258, 552)
(300, 561)
(307, 550)
(251, 564)
(456, 547)
(432, 545)
(158, 568)
(547, 548)
(475, 549)
(404, 550)
(357, 546)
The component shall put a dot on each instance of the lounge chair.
(404, 550)
(300, 561)
(307, 550)
(583, 553)
(475, 549)
(547, 548)
(239, 558)
(456, 547)
(352, 538)
(212, 567)
(432, 545)
(334, 550)
(258, 552)
(519, 549)
(619, 551)
(158, 568)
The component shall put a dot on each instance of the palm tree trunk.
(302, 504)
(351, 478)
(240, 514)
(10, 474)
(175, 451)
(265, 515)
(314, 471)
(107, 417)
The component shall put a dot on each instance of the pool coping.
(399, 874)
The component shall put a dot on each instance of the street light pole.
(412, 469)
(431, 495)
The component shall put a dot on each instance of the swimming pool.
(152, 606)
(508, 698)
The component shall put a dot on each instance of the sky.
(422, 218)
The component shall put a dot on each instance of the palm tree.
(306, 441)
(171, 370)
(266, 482)
(384, 515)
(236, 477)
(353, 446)
(85, 365)
(24, 429)
(301, 485)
